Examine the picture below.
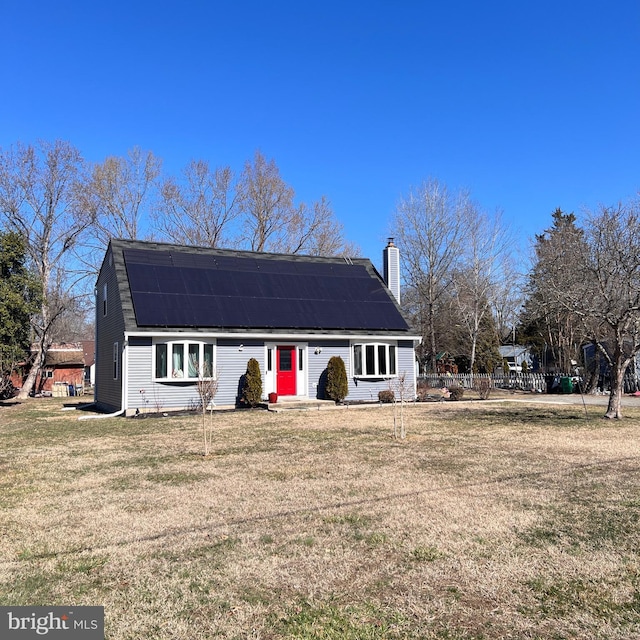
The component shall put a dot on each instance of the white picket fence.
(523, 381)
(538, 382)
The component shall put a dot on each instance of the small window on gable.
(104, 300)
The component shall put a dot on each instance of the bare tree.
(507, 298)
(430, 227)
(608, 299)
(476, 282)
(314, 231)
(599, 296)
(76, 322)
(400, 389)
(272, 221)
(201, 208)
(267, 203)
(207, 387)
(117, 194)
(39, 198)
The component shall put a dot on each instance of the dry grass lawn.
(488, 521)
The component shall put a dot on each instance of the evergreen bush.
(337, 385)
(252, 388)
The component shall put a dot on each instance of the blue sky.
(529, 105)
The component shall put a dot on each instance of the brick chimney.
(391, 260)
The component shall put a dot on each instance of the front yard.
(488, 521)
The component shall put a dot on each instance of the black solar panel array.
(181, 289)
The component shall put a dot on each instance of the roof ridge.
(158, 245)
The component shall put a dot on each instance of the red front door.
(286, 371)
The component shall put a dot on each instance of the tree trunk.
(432, 340)
(36, 367)
(614, 408)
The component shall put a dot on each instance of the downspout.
(95, 344)
(125, 372)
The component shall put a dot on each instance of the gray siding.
(367, 389)
(360, 389)
(318, 363)
(145, 393)
(109, 329)
(231, 364)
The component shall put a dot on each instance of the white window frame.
(386, 345)
(104, 300)
(172, 376)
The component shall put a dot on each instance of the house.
(167, 314)
(596, 364)
(63, 366)
(516, 355)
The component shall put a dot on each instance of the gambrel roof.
(186, 288)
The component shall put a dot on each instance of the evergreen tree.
(337, 384)
(548, 318)
(19, 300)
(252, 388)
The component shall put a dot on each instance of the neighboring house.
(515, 355)
(164, 311)
(65, 364)
(596, 364)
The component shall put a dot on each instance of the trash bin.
(72, 390)
(566, 385)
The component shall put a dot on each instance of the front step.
(288, 403)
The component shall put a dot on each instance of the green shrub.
(252, 387)
(386, 396)
(337, 385)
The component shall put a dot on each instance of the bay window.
(374, 360)
(183, 360)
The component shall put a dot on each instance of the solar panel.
(181, 289)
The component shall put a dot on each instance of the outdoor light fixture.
(318, 350)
